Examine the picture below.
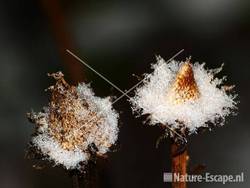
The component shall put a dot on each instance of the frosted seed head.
(184, 87)
(183, 96)
(74, 120)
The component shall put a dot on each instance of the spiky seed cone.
(184, 87)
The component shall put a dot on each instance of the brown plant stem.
(55, 14)
(75, 181)
(91, 178)
(179, 157)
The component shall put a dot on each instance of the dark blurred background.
(120, 38)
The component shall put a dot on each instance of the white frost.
(103, 106)
(51, 148)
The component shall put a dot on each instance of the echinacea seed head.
(184, 96)
(184, 87)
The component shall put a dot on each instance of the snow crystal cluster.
(214, 103)
(75, 125)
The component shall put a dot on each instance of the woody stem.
(91, 177)
(179, 157)
(75, 181)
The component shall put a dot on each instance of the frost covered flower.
(184, 96)
(75, 125)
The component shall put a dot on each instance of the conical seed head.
(184, 87)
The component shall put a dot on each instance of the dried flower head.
(184, 87)
(75, 125)
(183, 96)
